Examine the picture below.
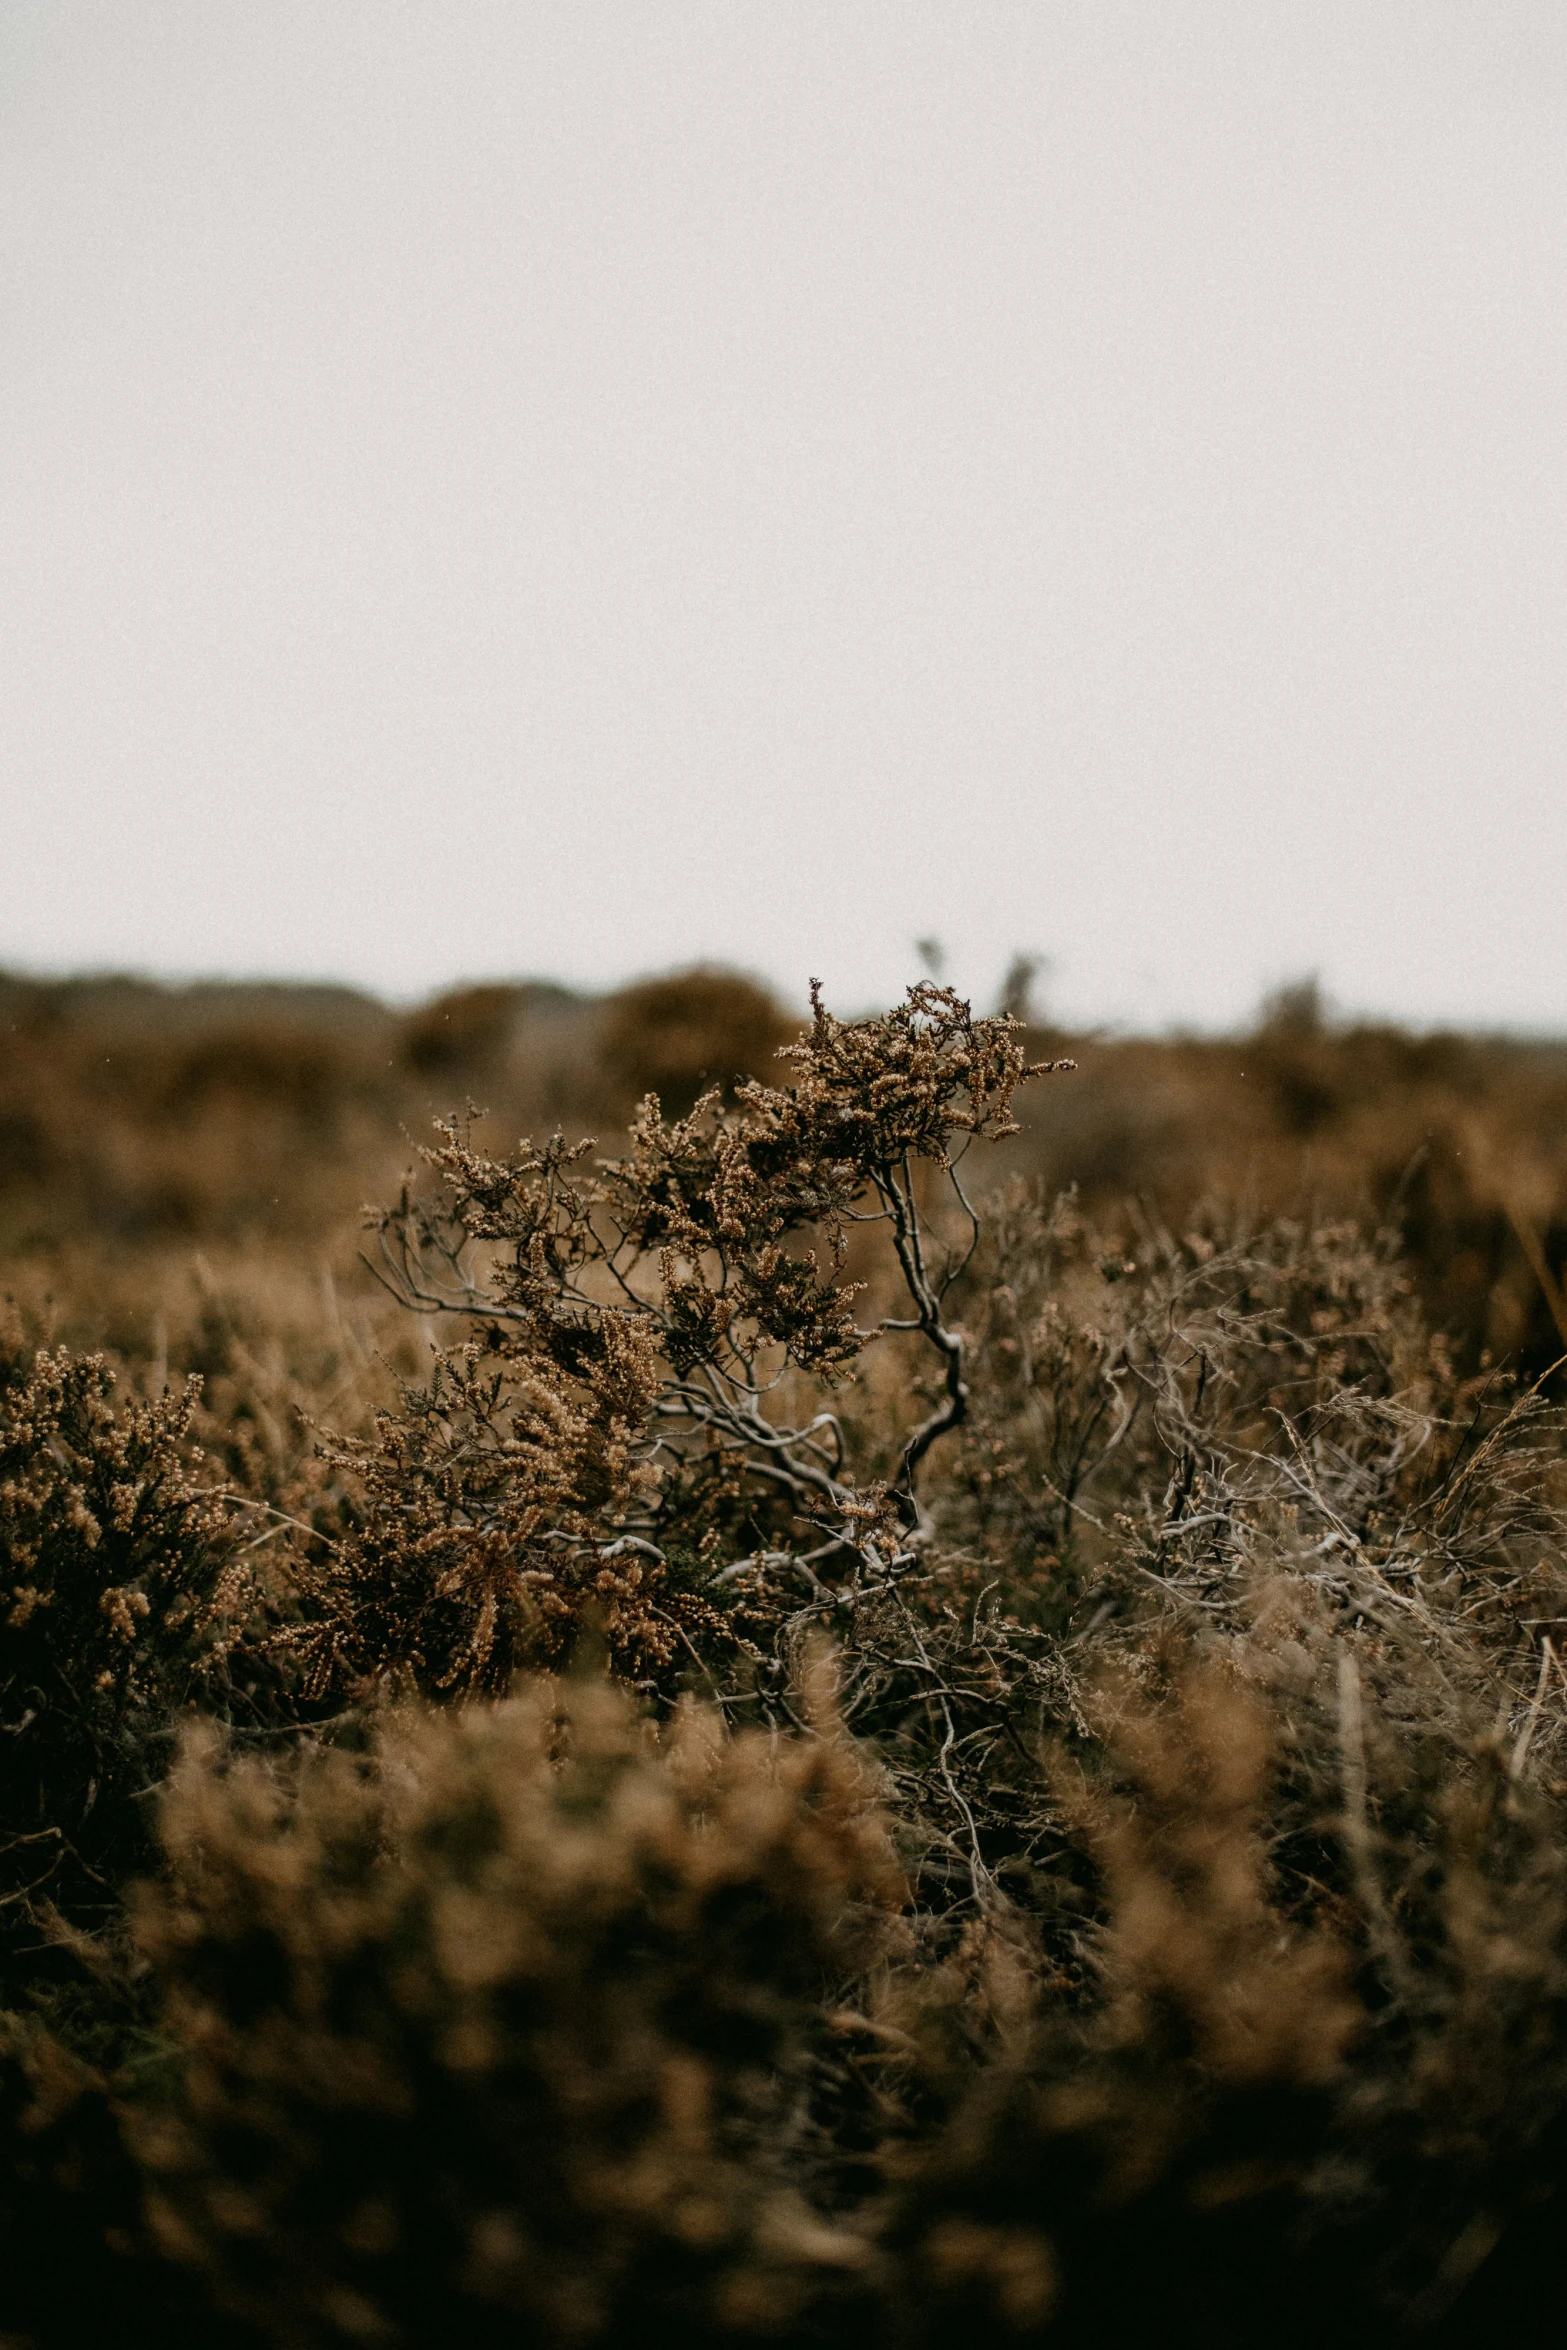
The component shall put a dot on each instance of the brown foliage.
(609, 1430)
(1196, 1610)
(510, 2022)
(209, 1114)
(679, 1035)
(113, 1616)
(465, 1030)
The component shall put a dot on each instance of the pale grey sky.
(572, 488)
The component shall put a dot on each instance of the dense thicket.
(786, 1740)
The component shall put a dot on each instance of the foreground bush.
(111, 1619)
(528, 2016)
(519, 2017)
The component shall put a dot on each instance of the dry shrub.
(112, 1553)
(1247, 1442)
(1203, 1415)
(1252, 2117)
(1125, 2153)
(533, 2014)
(677, 1036)
(468, 1029)
(612, 1438)
(1458, 1141)
(1196, 1954)
(513, 2020)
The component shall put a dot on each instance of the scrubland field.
(919, 1700)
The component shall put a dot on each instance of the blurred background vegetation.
(157, 1142)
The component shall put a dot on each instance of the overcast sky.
(572, 489)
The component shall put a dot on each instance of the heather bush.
(531, 2013)
(516, 2018)
(113, 1558)
(1249, 2117)
(1123, 2145)
(121, 1601)
(679, 1035)
(613, 1438)
(467, 1030)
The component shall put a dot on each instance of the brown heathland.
(922, 1699)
